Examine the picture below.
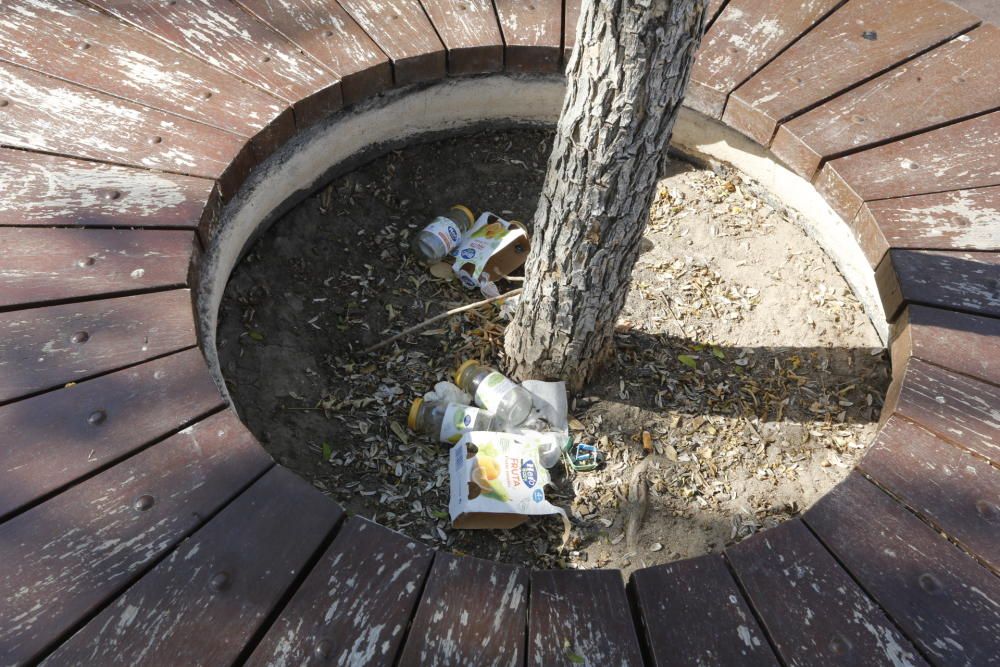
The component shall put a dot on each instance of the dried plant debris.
(746, 381)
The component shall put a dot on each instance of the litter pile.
(504, 435)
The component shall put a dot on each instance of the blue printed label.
(528, 473)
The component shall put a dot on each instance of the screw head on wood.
(839, 645)
(155, 140)
(929, 583)
(4, 103)
(97, 417)
(143, 503)
(206, 94)
(266, 59)
(80, 337)
(870, 35)
(987, 510)
(112, 195)
(324, 648)
(83, 46)
(85, 262)
(219, 581)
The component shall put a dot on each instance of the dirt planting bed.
(741, 352)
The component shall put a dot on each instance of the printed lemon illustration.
(494, 230)
(487, 475)
(461, 422)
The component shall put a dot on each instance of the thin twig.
(437, 318)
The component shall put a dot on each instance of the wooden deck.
(141, 523)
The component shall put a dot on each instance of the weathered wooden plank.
(940, 597)
(473, 611)
(958, 492)
(858, 41)
(470, 32)
(988, 10)
(325, 31)
(405, 34)
(953, 280)
(89, 425)
(71, 41)
(580, 617)
(745, 37)
(937, 88)
(964, 343)
(222, 35)
(571, 19)
(47, 347)
(812, 609)
(960, 220)
(39, 265)
(203, 603)
(532, 32)
(37, 189)
(960, 156)
(66, 557)
(952, 406)
(712, 9)
(41, 113)
(692, 613)
(355, 605)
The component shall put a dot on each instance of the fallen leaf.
(687, 360)
(399, 431)
(442, 270)
(327, 451)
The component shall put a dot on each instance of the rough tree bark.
(625, 83)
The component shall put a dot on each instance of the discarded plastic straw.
(437, 318)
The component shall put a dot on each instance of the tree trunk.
(626, 80)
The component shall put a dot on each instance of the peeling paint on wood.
(473, 612)
(325, 31)
(93, 423)
(859, 40)
(939, 87)
(230, 39)
(954, 407)
(470, 32)
(37, 189)
(583, 614)
(745, 37)
(957, 491)
(967, 344)
(692, 613)
(64, 558)
(71, 41)
(39, 265)
(45, 114)
(954, 280)
(355, 606)
(46, 347)
(946, 602)
(956, 157)
(403, 31)
(533, 34)
(812, 609)
(201, 604)
(959, 220)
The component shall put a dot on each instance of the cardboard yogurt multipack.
(497, 481)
